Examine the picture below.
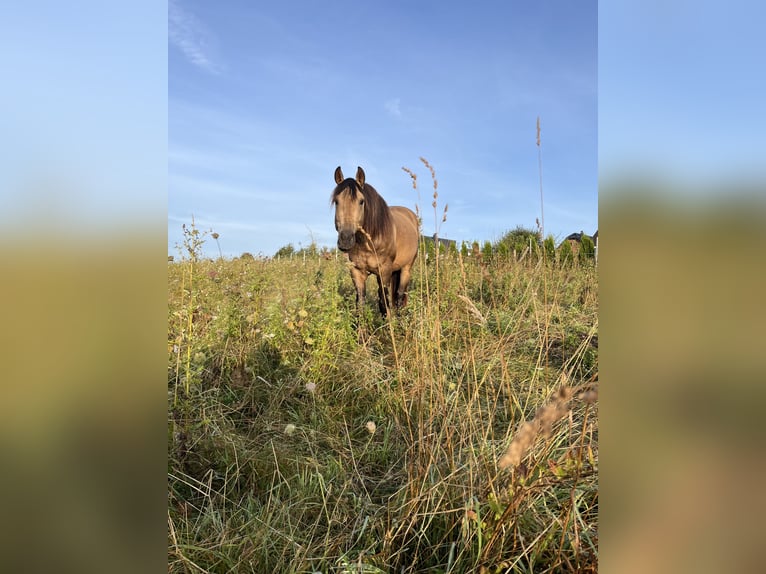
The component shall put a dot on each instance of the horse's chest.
(365, 261)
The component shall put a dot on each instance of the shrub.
(566, 257)
(520, 240)
(430, 250)
(285, 252)
(549, 247)
(486, 251)
(502, 251)
(587, 249)
(311, 251)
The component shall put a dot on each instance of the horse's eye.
(361, 202)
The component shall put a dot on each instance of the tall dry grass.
(461, 435)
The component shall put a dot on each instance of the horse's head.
(349, 201)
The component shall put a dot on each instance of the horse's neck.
(380, 241)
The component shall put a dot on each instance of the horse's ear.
(360, 177)
(338, 175)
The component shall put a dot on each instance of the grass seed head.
(413, 177)
(545, 417)
(520, 445)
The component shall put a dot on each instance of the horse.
(378, 239)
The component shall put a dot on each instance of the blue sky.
(682, 91)
(241, 117)
(266, 99)
(83, 131)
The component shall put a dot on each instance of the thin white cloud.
(188, 34)
(393, 107)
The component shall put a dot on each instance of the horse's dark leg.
(384, 291)
(359, 278)
(382, 298)
(396, 280)
(403, 285)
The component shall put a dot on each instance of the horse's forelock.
(377, 219)
(347, 184)
(341, 187)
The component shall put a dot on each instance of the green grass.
(255, 346)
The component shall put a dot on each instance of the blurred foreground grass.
(683, 277)
(81, 415)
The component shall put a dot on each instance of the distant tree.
(566, 257)
(285, 251)
(520, 240)
(246, 255)
(452, 250)
(311, 251)
(549, 247)
(464, 249)
(430, 250)
(587, 249)
(486, 251)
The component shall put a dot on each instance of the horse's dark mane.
(377, 218)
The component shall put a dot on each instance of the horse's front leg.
(384, 290)
(404, 284)
(359, 278)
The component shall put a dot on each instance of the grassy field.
(459, 436)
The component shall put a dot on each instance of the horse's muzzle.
(346, 240)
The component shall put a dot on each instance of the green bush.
(430, 249)
(519, 240)
(285, 252)
(549, 247)
(566, 256)
(486, 251)
(587, 249)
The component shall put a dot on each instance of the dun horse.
(378, 239)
